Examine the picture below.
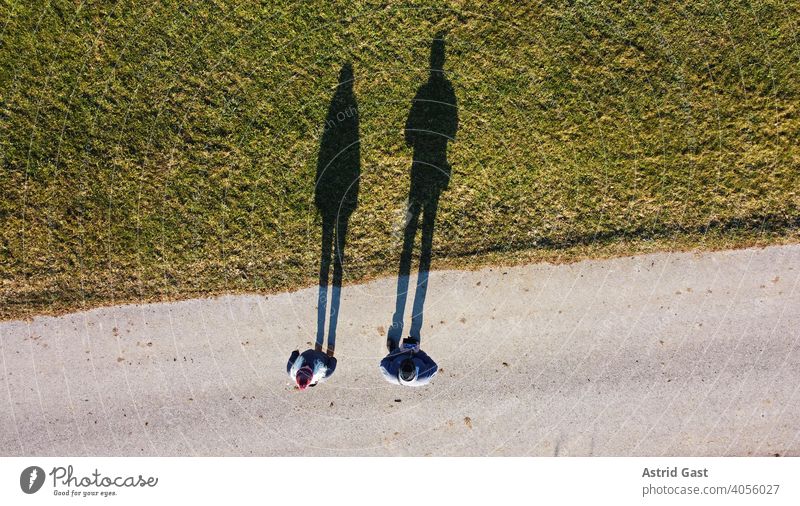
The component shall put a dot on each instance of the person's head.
(303, 378)
(408, 371)
(437, 53)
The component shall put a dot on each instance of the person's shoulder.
(421, 354)
(389, 361)
(312, 356)
(424, 357)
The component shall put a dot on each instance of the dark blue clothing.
(321, 364)
(425, 366)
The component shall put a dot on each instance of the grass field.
(158, 150)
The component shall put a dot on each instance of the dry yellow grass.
(163, 151)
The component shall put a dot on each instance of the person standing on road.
(408, 365)
(311, 367)
(336, 188)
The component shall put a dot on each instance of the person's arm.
(427, 369)
(331, 366)
(421, 381)
(386, 370)
(320, 365)
(391, 378)
(292, 358)
(451, 100)
(321, 374)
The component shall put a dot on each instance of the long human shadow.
(336, 196)
(432, 123)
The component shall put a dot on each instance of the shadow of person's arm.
(388, 369)
(413, 123)
(452, 126)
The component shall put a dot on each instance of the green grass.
(160, 150)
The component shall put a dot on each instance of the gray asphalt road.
(668, 354)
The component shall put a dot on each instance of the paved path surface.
(668, 354)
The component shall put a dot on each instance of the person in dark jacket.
(310, 368)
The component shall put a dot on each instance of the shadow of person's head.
(346, 76)
(437, 53)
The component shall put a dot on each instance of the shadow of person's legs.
(324, 270)
(395, 333)
(428, 221)
(338, 261)
(336, 195)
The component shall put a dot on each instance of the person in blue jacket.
(431, 125)
(408, 365)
